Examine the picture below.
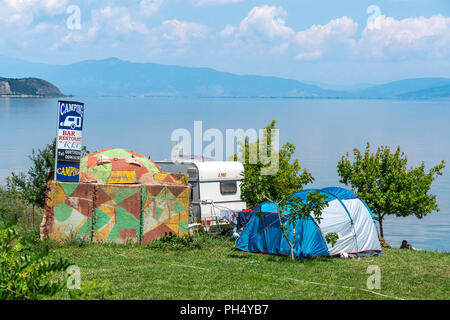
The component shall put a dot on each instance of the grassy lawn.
(208, 268)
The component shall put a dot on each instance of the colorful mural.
(119, 213)
(165, 211)
(68, 211)
(164, 178)
(115, 166)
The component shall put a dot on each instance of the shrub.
(90, 290)
(14, 209)
(189, 242)
(26, 273)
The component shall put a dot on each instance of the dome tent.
(346, 214)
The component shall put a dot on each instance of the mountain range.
(115, 77)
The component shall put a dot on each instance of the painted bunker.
(122, 197)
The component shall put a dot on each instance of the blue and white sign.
(69, 140)
(67, 172)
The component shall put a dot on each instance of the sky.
(328, 41)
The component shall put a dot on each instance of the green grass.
(206, 267)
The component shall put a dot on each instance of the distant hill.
(349, 88)
(115, 77)
(420, 88)
(442, 92)
(28, 87)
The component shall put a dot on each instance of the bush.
(26, 273)
(190, 242)
(16, 210)
(91, 290)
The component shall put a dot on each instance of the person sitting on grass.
(406, 245)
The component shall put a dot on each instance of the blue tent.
(347, 215)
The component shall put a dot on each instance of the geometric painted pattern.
(119, 213)
(115, 166)
(68, 211)
(171, 178)
(165, 211)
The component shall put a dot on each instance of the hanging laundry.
(243, 218)
(227, 215)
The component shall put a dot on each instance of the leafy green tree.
(278, 186)
(384, 180)
(33, 185)
(287, 179)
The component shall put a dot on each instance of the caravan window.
(228, 187)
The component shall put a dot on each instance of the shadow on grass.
(241, 255)
(305, 261)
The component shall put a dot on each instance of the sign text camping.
(69, 140)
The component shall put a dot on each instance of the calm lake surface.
(322, 130)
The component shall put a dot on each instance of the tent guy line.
(345, 287)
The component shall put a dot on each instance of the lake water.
(322, 130)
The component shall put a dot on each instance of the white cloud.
(181, 31)
(317, 35)
(228, 31)
(319, 39)
(216, 2)
(311, 55)
(16, 13)
(265, 22)
(54, 6)
(23, 12)
(150, 7)
(263, 33)
(50, 6)
(387, 37)
(119, 19)
(19, 5)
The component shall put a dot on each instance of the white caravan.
(215, 185)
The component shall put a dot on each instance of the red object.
(247, 210)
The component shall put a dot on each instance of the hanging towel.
(227, 215)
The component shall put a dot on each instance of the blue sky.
(328, 41)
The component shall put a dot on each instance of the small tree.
(298, 209)
(33, 185)
(388, 185)
(288, 179)
(279, 186)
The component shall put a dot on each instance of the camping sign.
(69, 140)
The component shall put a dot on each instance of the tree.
(287, 179)
(388, 185)
(33, 185)
(279, 186)
(298, 209)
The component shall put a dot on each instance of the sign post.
(69, 141)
